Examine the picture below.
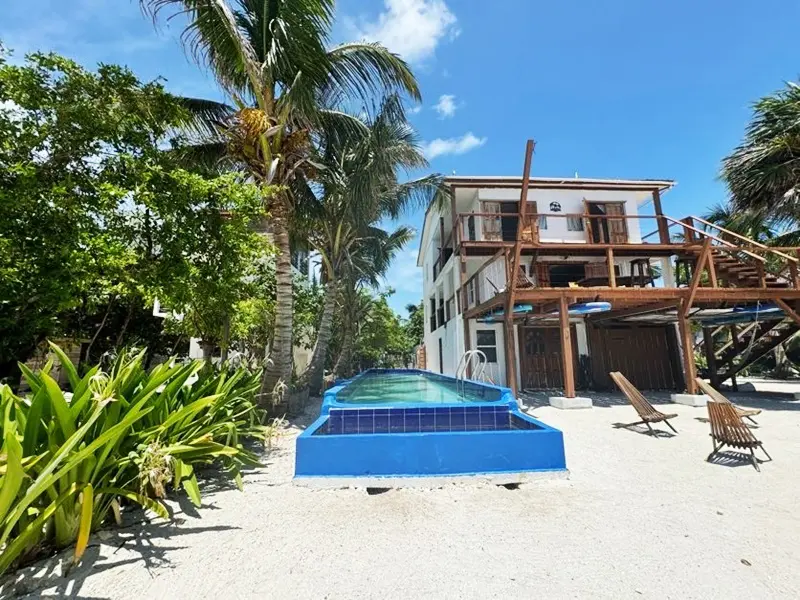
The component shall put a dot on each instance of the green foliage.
(124, 434)
(382, 340)
(762, 173)
(415, 326)
(98, 214)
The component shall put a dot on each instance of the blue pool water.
(399, 388)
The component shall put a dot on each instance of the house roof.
(502, 181)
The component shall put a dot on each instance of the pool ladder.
(468, 359)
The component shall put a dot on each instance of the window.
(542, 221)
(487, 343)
(574, 223)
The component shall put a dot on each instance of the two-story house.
(586, 245)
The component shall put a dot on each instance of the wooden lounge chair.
(646, 411)
(728, 429)
(747, 413)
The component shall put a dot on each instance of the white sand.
(640, 517)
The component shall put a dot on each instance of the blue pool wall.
(423, 448)
(503, 394)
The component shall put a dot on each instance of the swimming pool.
(405, 423)
(377, 387)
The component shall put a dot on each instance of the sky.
(612, 89)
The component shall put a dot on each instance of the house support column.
(511, 352)
(663, 227)
(685, 329)
(711, 359)
(568, 400)
(566, 348)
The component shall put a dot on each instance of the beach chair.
(728, 429)
(646, 411)
(747, 413)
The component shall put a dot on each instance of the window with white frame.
(487, 343)
(574, 223)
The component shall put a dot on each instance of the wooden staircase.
(750, 344)
(738, 270)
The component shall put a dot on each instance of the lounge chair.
(646, 411)
(728, 429)
(747, 413)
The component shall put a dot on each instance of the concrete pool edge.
(428, 481)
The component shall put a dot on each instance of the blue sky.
(620, 88)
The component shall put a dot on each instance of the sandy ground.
(641, 516)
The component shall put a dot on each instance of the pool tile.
(350, 425)
(501, 420)
(442, 421)
(381, 423)
(412, 423)
(396, 423)
(427, 422)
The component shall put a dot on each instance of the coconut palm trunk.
(314, 374)
(342, 366)
(279, 365)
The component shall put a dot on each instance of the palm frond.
(763, 173)
(360, 69)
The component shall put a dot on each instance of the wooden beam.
(566, 349)
(708, 341)
(712, 271)
(793, 276)
(703, 294)
(735, 342)
(511, 285)
(663, 228)
(698, 272)
(612, 276)
(632, 312)
(689, 369)
(788, 310)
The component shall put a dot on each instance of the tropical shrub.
(67, 462)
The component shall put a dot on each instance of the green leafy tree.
(415, 326)
(95, 215)
(271, 60)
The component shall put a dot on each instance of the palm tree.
(271, 60)
(763, 173)
(359, 188)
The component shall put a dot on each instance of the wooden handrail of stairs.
(746, 239)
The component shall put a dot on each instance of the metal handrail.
(465, 363)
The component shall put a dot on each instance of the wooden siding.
(647, 356)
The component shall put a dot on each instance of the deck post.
(566, 348)
(689, 370)
(612, 276)
(711, 359)
(663, 228)
(511, 285)
(735, 342)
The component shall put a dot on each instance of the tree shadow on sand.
(135, 542)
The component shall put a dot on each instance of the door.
(509, 220)
(604, 230)
(648, 356)
(540, 357)
(491, 226)
(617, 228)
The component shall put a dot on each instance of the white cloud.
(414, 109)
(446, 107)
(461, 145)
(411, 28)
(404, 275)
